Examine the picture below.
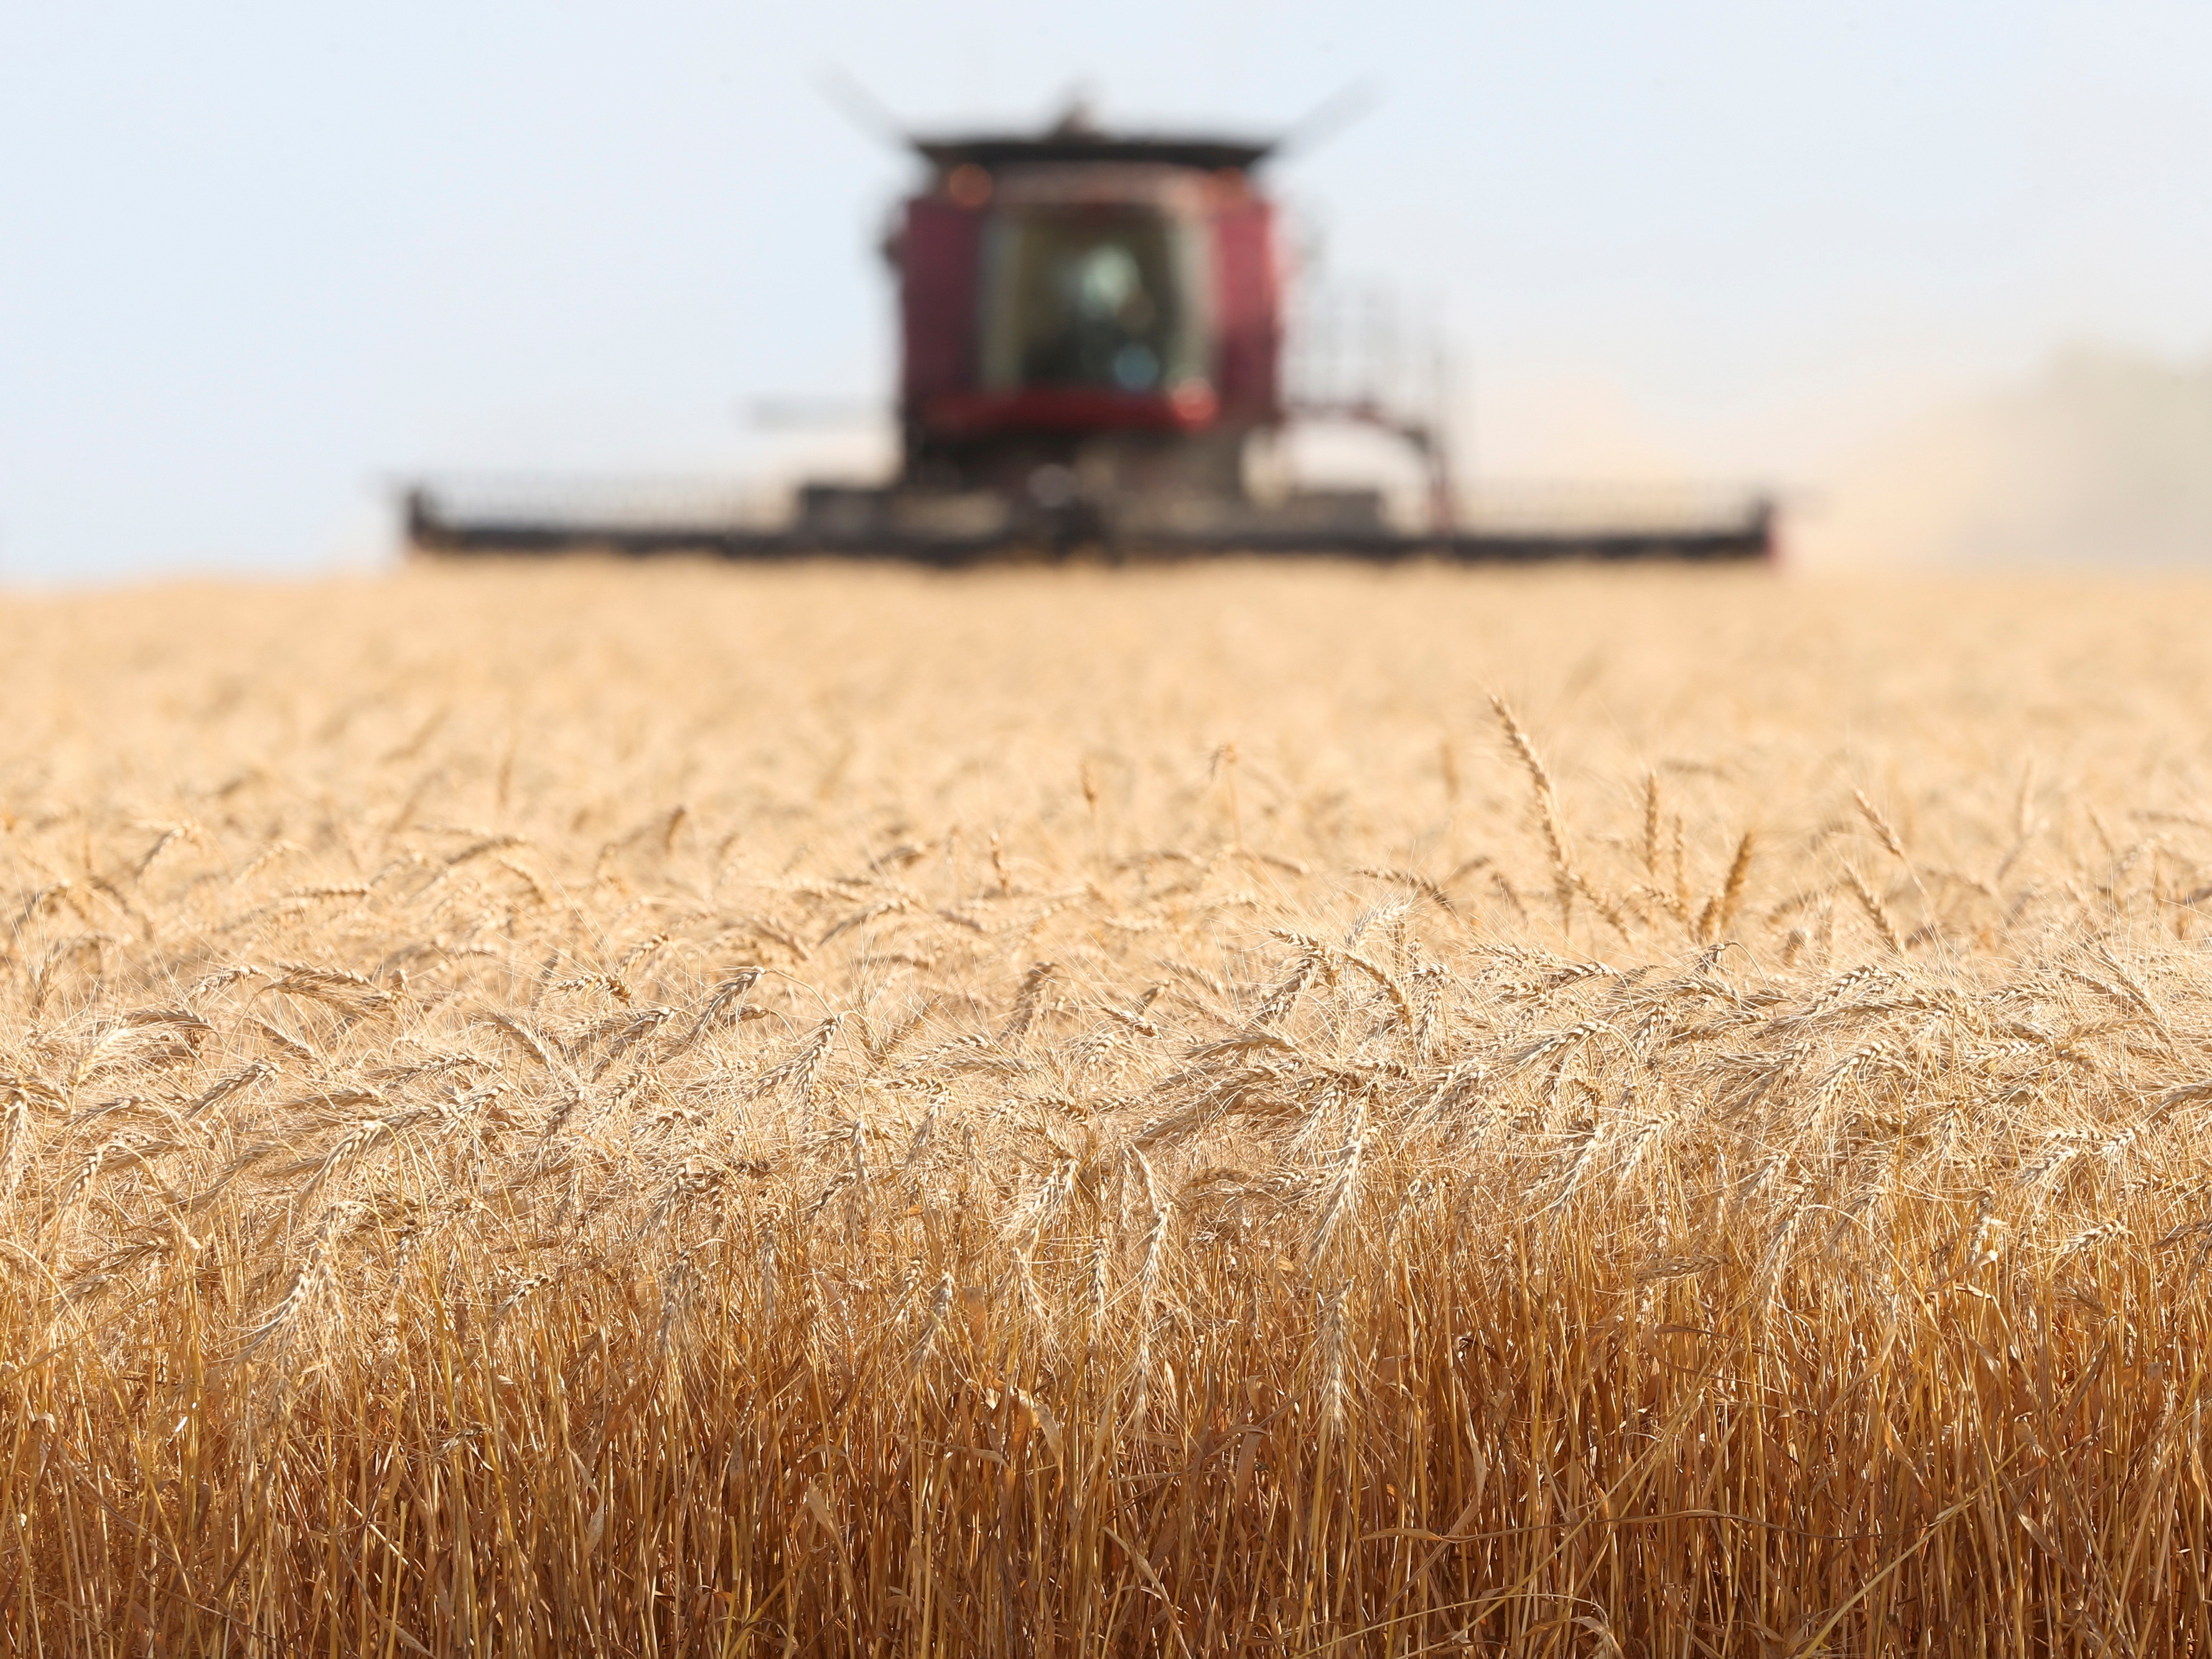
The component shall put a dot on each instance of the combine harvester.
(1092, 331)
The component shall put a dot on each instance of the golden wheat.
(676, 1110)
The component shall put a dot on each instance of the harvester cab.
(1092, 332)
(1091, 343)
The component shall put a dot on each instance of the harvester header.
(1091, 331)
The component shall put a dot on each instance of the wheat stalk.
(1361, 1269)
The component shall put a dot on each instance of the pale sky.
(256, 258)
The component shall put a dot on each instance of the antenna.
(1329, 117)
(1079, 111)
(860, 106)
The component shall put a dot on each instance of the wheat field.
(1229, 1110)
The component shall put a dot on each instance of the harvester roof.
(1077, 138)
(993, 152)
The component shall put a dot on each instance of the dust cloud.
(2103, 457)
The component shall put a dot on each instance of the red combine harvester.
(1092, 336)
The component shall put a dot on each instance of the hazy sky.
(255, 258)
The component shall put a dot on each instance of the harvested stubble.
(684, 1112)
